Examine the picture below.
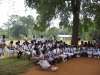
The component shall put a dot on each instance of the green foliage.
(47, 10)
(18, 30)
(2, 31)
(63, 9)
(18, 25)
(65, 31)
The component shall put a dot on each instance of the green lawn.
(13, 65)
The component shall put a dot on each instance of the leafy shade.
(50, 9)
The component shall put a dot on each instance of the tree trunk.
(75, 28)
(75, 10)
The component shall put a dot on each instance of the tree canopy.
(85, 10)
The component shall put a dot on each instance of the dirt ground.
(74, 66)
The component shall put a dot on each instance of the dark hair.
(26, 35)
(41, 36)
(16, 43)
(3, 36)
(11, 42)
(43, 52)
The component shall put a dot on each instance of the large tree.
(63, 9)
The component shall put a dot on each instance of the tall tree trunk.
(75, 9)
(75, 28)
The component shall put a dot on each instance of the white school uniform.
(70, 52)
(76, 51)
(55, 53)
(17, 49)
(34, 55)
(33, 39)
(10, 50)
(95, 52)
(99, 51)
(30, 46)
(63, 55)
(42, 40)
(26, 50)
(44, 63)
(90, 51)
(2, 41)
(50, 55)
(83, 49)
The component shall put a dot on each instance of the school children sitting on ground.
(50, 52)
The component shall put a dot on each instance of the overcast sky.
(10, 7)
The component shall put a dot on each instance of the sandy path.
(74, 66)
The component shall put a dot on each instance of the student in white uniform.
(34, 38)
(2, 48)
(42, 39)
(11, 49)
(63, 55)
(26, 50)
(45, 64)
(98, 47)
(51, 56)
(98, 52)
(95, 53)
(25, 38)
(90, 52)
(18, 50)
(34, 54)
(54, 39)
(31, 45)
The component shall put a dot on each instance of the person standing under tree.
(2, 46)
(42, 39)
(34, 38)
(25, 38)
(54, 39)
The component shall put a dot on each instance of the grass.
(14, 66)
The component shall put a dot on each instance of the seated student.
(70, 51)
(98, 52)
(34, 53)
(23, 45)
(77, 51)
(98, 47)
(63, 55)
(10, 49)
(51, 58)
(18, 50)
(30, 45)
(26, 50)
(56, 53)
(95, 53)
(44, 63)
(90, 52)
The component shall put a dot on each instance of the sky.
(10, 7)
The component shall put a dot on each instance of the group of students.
(50, 52)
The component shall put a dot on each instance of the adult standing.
(2, 48)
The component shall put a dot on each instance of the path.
(74, 66)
